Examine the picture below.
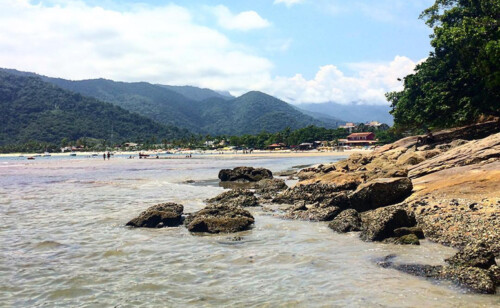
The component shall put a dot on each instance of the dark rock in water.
(286, 173)
(313, 212)
(244, 198)
(347, 221)
(409, 239)
(315, 193)
(380, 224)
(477, 280)
(380, 192)
(409, 230)
(219, 218)
(159, 216)
(475, 255)
(245, 174)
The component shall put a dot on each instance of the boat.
(46, 154)
(31, 158)
(143, 155)
(72, 154)
(94, 154)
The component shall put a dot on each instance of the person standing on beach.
(104, 156)
(109, 155)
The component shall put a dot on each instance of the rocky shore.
(447, 192)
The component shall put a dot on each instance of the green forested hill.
(216, 114)
(31, 109)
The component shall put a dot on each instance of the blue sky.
(300, 51)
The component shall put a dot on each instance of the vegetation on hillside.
(33, 110)
(460, 80)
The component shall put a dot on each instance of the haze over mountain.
(204, 111)
(353, 112)
(31, 109)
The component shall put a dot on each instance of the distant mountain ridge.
(31, 109)
(201, 111)
(352, 112)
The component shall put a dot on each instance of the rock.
(380, 192)
(270, 186)
(475, 279)
(409, 230)
(314, 193)
(219, 218)
(409, 239)
(494, 273)
(347, 221)
(245, 174)
(315, 212)
(238, 197)
(473, 255)
(158, 216)
(380, 224)
(410, 159)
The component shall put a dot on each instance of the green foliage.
(31, 109)
(460, 80)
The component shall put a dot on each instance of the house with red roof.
(359, 139)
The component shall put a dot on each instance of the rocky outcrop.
(237, 197)
(245, 174)
(347, 221)
(269, 188)
(380, 192)
(380, 224)
(314, 193)
(159, 216)
(470, 153)
(219, 218)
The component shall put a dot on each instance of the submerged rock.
(219, 218)
(409, 239)
(158, 216)
(347, 221)
(380, 224)
(417, 231)
(238, 197)
(380, 192)
(245, 174)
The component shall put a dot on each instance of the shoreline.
(277, 154)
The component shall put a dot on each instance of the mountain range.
(354, 112)
(34, 110)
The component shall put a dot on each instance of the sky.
(301, 51)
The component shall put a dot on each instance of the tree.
(460, 80)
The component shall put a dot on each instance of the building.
(277, 146)
(359, 139)
(375, 124)
(349, 126)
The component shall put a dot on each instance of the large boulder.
(347, 221)
(380, 192)
(380, 224)
(475, 255)
(219, 218)
(158, 216)
(237, 197)
(245, 174)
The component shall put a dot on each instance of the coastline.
(277, 154)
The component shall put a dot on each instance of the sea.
(64, 243)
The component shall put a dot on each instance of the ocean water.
(64, 244)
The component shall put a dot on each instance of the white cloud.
(164, 44)
(157, 44)
(288, 3)
(244, 21)
(368, 85)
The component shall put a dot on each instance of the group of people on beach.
(104, 155)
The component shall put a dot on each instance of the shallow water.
(64, 244)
